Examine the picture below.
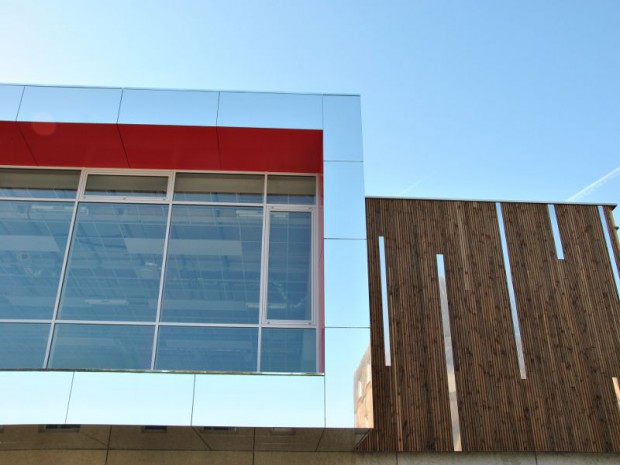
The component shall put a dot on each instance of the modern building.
(197, 277)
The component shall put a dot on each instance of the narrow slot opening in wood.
(616, 390)
(610, 249)
(384, 304)
(555, 228)
(516, 325)
(447, 338)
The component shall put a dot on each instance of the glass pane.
(33, 238)
(102, 347)
(213, 267)
(288, 350)
(23, 345)
(126, 186)
(238, 188)
(207, 349)
(290, 266)
(45, 184)
(291, 189)
(115, 263)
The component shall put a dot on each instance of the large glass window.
(296, 190)
(214, 265)
(126, 186)
(42, 184)
(157, 271)
(22, 345)
(207, 348)
(33, 239)
(289, 350)
(114, 265)
(290, 266)
(102, 346)
(217, 187)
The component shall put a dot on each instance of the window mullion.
(63, 271)
(160, 296)
(264, 278)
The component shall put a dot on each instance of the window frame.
(265, 269)
(82, 197)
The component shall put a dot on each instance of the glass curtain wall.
(152, 271)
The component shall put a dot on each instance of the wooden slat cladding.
(414, 394)
(569, 316)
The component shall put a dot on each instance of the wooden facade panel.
(416, 396)
(490, 403)
(569, 316)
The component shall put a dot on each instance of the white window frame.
(267, 208)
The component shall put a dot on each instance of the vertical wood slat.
(569, 320)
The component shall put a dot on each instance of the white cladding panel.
(345, 353)
(131, 399)
(344, 200)
(282, 111)
(166, 107)
(342, 125)
(346, 283)
(10, 97)
(259, 400)
(34, 397)
(70, 105)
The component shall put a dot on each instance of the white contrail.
(416, 184)
(595, 185)
(407, 189)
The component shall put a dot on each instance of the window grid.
(267, 209)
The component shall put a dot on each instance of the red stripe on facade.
(161, 147)
(13, 148)
(171, 147)
(277, 150)
(74, 144)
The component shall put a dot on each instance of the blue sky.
(480, 99)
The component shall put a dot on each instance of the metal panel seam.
(69, 399)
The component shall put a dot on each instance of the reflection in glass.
(22, 345)
(213, 266)
(298, 190)
(126, 186)
(42, 184)
(346, 354)
(362, 409)
(290, 266)
(241, 188)
(33, 238)
(207, 349)
(288, 350)
(115, 261)
(102, 347)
